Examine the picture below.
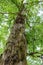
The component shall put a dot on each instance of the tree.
(15, 52)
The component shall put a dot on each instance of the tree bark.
(15, 52)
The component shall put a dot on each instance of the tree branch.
(8, 13)
(16, 4)
(34, 2)
(33, 53)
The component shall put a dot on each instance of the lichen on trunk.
(15, 52)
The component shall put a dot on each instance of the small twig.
(32, 53)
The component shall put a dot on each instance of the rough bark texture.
(15, 52)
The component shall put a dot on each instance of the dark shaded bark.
(15, 52)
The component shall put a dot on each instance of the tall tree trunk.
(15, 52)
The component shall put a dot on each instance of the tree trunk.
(15, 52)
